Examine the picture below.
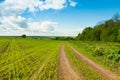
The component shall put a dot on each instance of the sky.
(53, 17)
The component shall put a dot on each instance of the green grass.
(93, 49)
(81, 68)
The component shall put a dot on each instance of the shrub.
(98, 52)
(114, 55)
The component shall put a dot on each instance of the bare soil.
(65, 70)
(106, 73)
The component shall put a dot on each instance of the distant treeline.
(48, 37)
(106, 31)
(63, 38)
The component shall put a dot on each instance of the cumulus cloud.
(13, 7)
(12, 21)
(17, 25)
(50, 4)
(45, 26)
(20, 23)
(17, 7)
(73, 3)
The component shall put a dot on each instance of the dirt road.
(65, 70)
(107, 74)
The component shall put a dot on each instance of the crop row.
(21, 64)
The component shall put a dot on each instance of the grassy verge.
(100, 52)
(81, 68)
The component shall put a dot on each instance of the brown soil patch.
(65, 70)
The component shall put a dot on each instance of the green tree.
(118, 37)
(105, 31)
(86, 34)
(23, 36)
(116, 17)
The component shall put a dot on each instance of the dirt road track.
(65, 70)
(107, 74)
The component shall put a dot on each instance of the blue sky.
(53, 17)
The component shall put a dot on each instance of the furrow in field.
(36, 74)
(107, 74)
(65, 70)
(5, 48)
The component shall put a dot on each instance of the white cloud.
(68, 32)
(13, 7)
(73, 3)
(12, 23)
(50, 4)
(45, 26)
(20, 23)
